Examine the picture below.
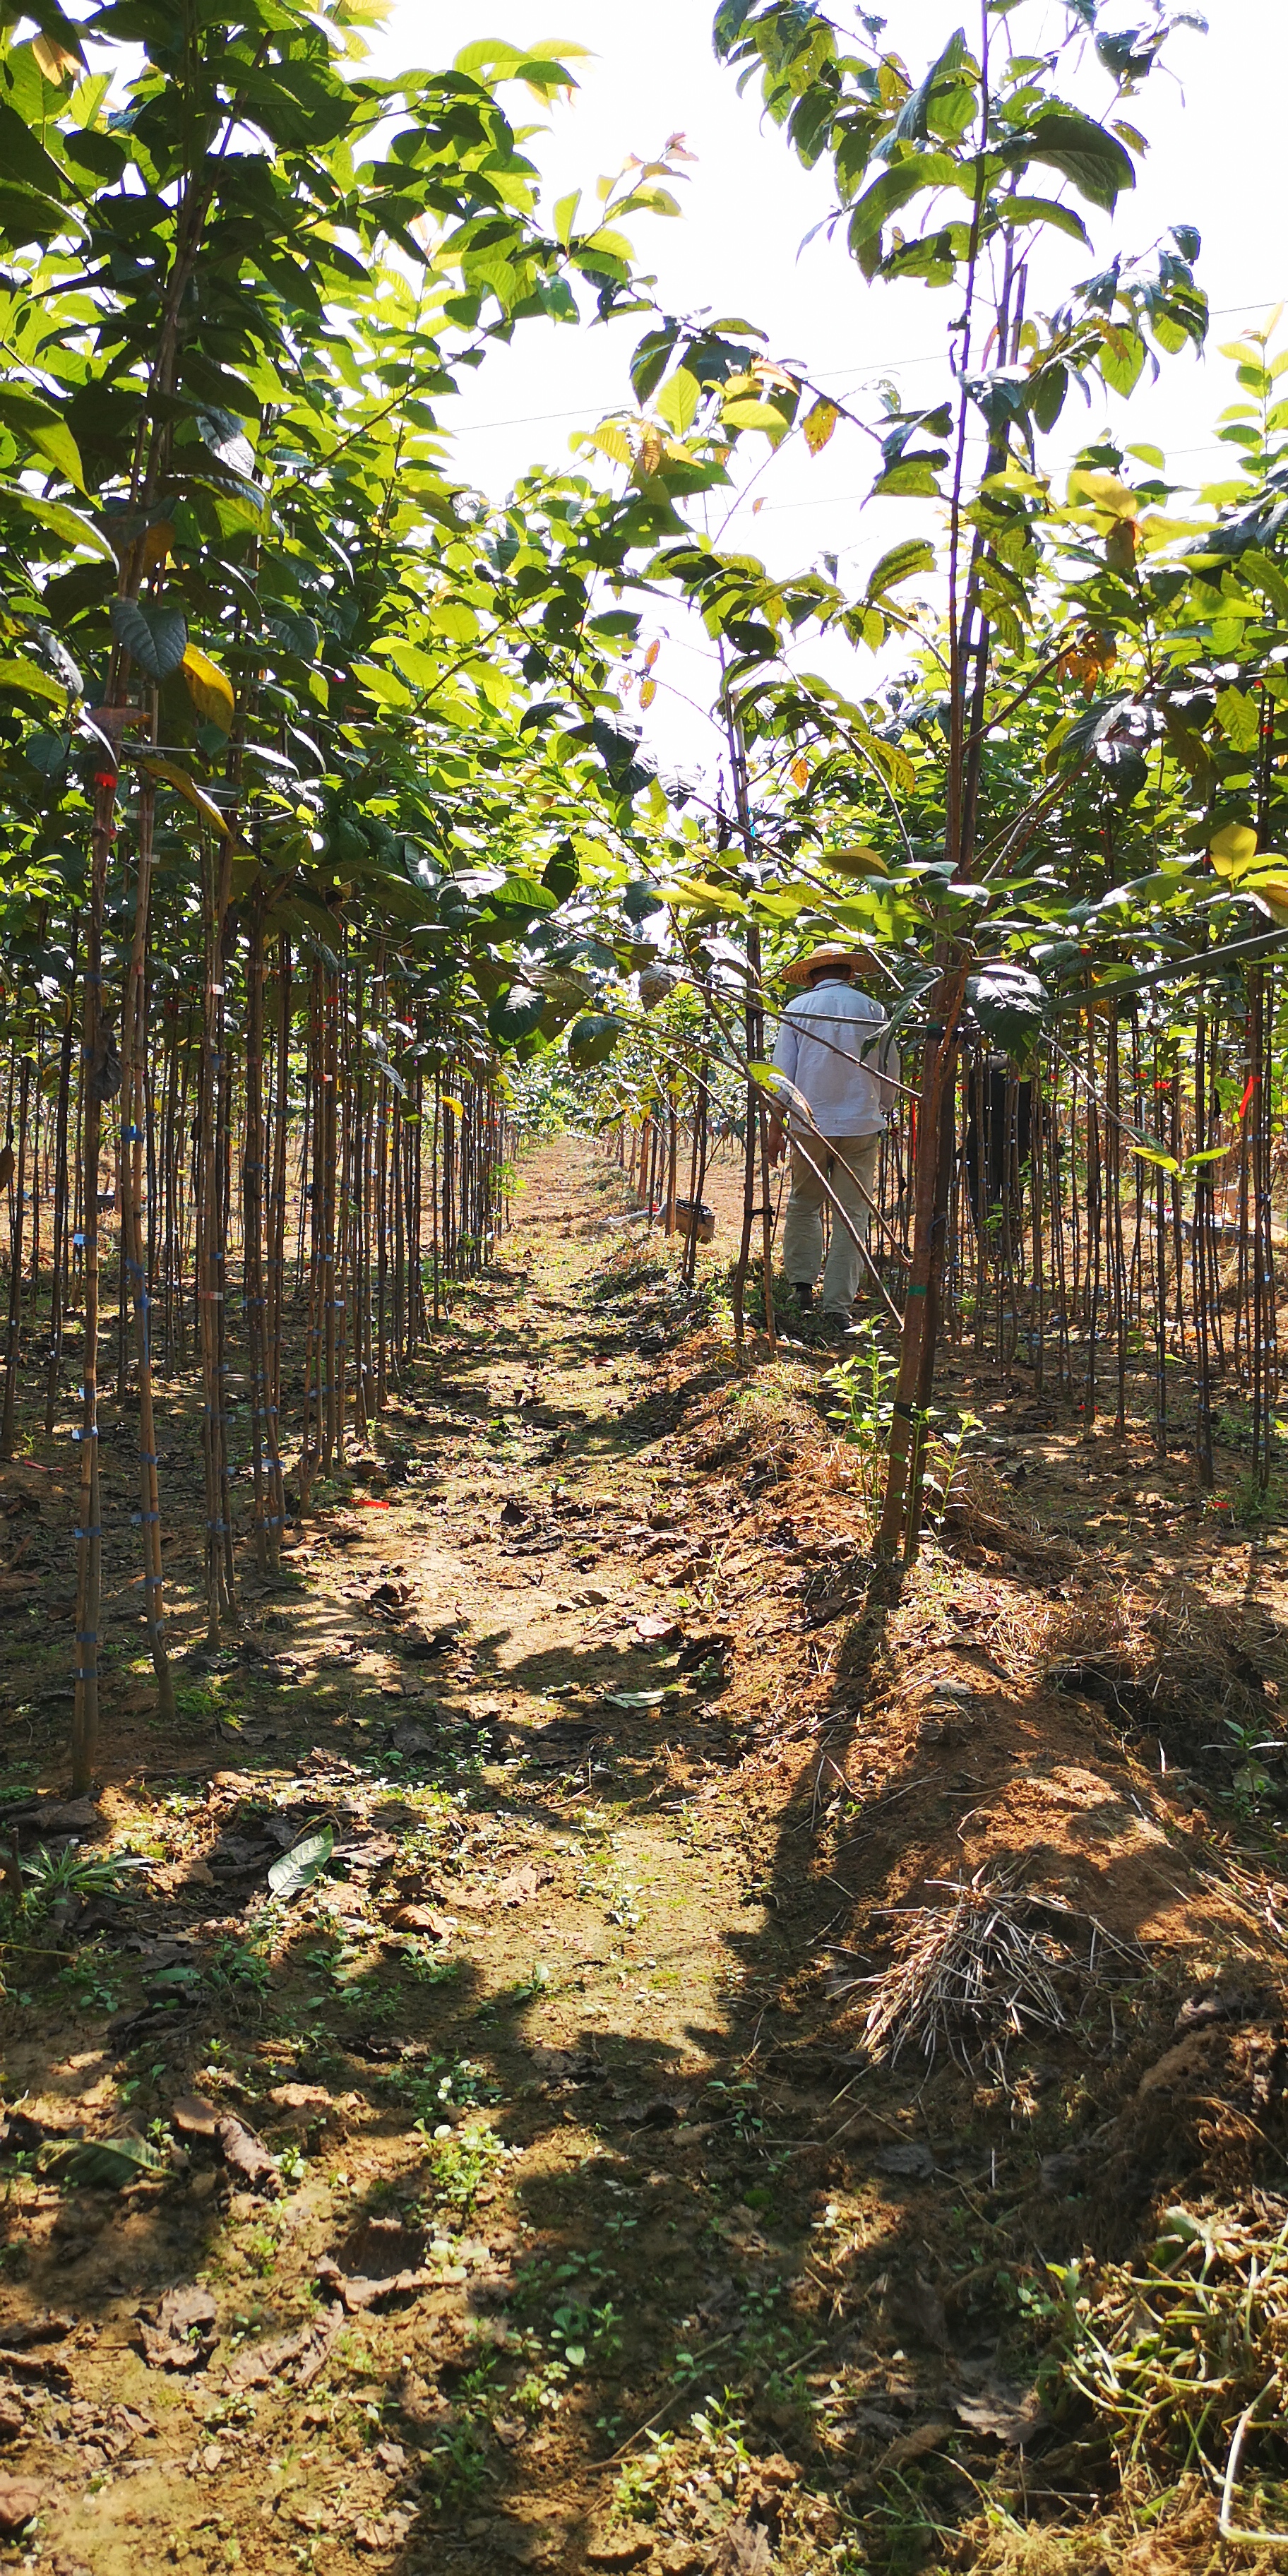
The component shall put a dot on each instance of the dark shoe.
(801, 1293)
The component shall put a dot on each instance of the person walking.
(825, 1048)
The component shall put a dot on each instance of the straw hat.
(803, 967)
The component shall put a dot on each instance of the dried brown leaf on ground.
(18, 2334)
(20, 2502)
(1008, 2415)
(247, 2156)
(744, 2551)
(181, 2335)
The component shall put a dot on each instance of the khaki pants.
(845, 1162)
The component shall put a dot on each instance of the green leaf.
(305, 1861)
(900, 563)
(1122, 357)
(1094, 161)
(225, 437)
(896, 188)
(59, 517)
(1009, 1004)
(913, 476)
(1262, 569)
(35, 421)
(516, 1015)
(912, 125)
(106, 2164)
(25, 159)
(156, 637)
(455, 621)
(591, 1041)
(1239, 719)
(1014, 212)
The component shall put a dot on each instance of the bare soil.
(528, 2186)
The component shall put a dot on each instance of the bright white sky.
(1215, 161)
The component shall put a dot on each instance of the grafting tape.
(96, 1532)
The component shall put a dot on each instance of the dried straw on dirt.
(990, 1966)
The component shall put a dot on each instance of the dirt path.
(506, 2026)
(523, 2191)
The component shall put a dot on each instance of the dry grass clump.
(1179, 2535)
(1177, 2351)
(1196, 1671)
(990, 1967)
(757, 1422)
(1110, 1630)
(980, 1514)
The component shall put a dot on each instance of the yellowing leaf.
(743, 414)
(677, 401)
(17, 672)
(800, 772)
(819, 422)
(648, 691)
(1232, 848)
(187, 787)
(455, 620)
(54, 60)
(156, 544)
(612, 440)
(652, 654)
(211, 693)
(1102, 493)
(859, 861)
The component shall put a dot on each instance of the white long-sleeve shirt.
(818, 1048)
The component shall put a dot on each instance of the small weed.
(85, 1979)
(537, 1982)
(260, 2247)
(427, 1966)
(541, 2389)
(240, 1966)
(635, 2490)
(461, 2162)
(69, 1873)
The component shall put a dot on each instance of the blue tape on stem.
(96, 1532)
